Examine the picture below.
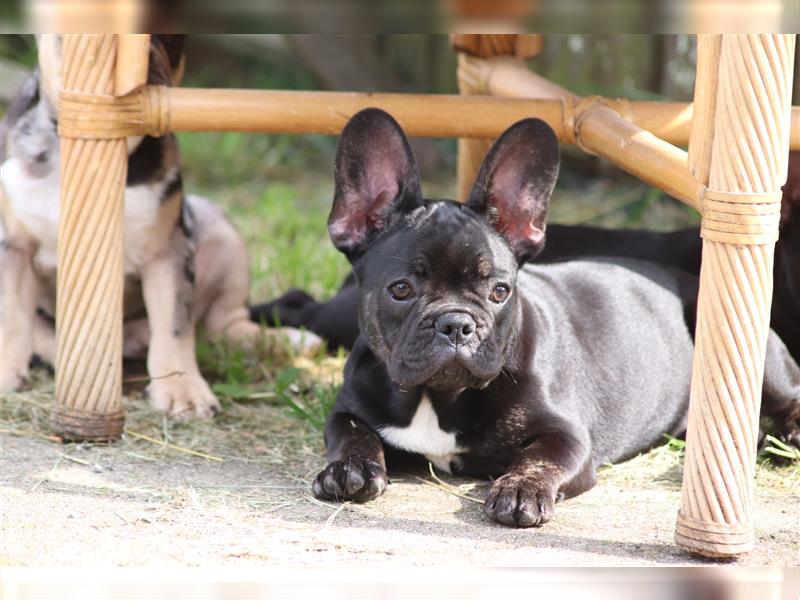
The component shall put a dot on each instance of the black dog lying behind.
(336, 321)
(534, 374)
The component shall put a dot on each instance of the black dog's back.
(624, 316)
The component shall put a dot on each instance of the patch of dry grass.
(258, 426)
(663, 467)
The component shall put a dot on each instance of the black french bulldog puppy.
(533, 374)
(486, 365)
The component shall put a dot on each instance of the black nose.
(458, 327)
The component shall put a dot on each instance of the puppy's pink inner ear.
(364, 212)
(516, 212)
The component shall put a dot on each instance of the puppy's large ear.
(515, 182)
(376, 180)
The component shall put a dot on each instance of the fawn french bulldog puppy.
(184, 261)
(485, 364)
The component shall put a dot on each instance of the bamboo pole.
(749, 146)
(133, 51)
(90, 256)
(471, 152)
(158, 110)
(273, 111)
(709, 47)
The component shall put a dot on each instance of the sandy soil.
(139, 503)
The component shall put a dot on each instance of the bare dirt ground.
(248, 502)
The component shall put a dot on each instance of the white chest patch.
(424, 436)
(34, 201)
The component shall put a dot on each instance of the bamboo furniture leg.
(90, 250)
(472, 151)
(739, 147)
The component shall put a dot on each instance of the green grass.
(277, 191)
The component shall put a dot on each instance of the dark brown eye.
(401, 290)
(500, 293)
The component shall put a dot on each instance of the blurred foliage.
(19, 48)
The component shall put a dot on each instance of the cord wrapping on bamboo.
(739, 218)
(100, 117)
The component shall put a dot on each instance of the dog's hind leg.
(781, 392)
(223, 286)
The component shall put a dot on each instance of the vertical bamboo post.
(90, 256)
(133, 51)
(745, 157)
(701, 135)
(472, 151)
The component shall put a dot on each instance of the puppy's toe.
(203, 400)
(159, 397)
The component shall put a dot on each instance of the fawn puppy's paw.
(183, 397)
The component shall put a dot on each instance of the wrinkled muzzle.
(452, 349)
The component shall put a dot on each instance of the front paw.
(355, 478)
(183, 397)
(521, 501)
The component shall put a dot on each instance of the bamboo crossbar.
(639, 152)
(423, 115)
(164, 109)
